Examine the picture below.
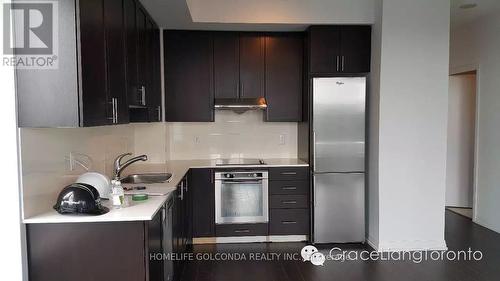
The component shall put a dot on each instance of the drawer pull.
(288, 173)
(289, 188)
(288, 222)
(289, 202)
(242, 231)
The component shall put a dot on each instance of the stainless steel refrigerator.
(338, 153)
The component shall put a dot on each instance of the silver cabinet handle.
(242, 231)
(159, 113)
(289, 188)
(116, 110)
(288, 222)
(338, 63)
(343, 62)
(181, 196)
(143, 95)
(289, 202)
(289, 173)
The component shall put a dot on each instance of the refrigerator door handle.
(314, 191)
(314, 150)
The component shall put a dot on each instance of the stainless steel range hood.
(241, 105)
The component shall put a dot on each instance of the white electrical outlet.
(282, 139)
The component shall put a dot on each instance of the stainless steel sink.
(147, 178)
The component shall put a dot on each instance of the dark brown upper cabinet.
(97, 69)
(143, 64)
(226, 64)
(143, 72)
(94, 87)
(133, 92)
(115, 52)
(189, 89)
(239, 64)
(252, 66)
(283, 77)
(154, 99)
(355, 49)
(339, 49)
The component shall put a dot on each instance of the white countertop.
(146, 210)
(136, 211)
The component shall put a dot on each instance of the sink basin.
(147, 178)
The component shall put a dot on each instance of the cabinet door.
(115, 60)
(177, 232)
(154, 96)
(129, 10)
(203, 198)
(188, 76)
(142, 59)
(154, 232)
(251, 65)
(93, 64)
(324, 49)
(355, 49)
(226, 65)
(167, 243)
(284, 56)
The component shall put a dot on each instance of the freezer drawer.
(339, 208)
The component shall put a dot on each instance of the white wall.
(461, 135)
(373, 130)
(413, 123)
(477, 45)
(13, 238)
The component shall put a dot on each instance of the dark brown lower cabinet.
(243, 229)
(125, 251)
(289, 222)
(203, 202)
(93, 251)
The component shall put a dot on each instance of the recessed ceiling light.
(468, 6)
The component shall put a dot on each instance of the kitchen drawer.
(288, 173)
(289, 222)
(289, 202)
(257, 229)
(289, 187)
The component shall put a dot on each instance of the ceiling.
(484, 8)
(271, 15)
(285, 15)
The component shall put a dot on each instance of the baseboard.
(372, 244)
(250, 239)
(411, 245)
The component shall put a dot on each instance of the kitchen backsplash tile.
(232, 135)
(45, 156)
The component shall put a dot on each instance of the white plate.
(99, 181)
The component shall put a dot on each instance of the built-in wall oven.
(241, 197)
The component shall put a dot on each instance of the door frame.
(464, 70)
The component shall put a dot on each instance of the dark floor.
(461, 234)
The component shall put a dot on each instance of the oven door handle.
(241, 181)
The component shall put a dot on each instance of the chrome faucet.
(119, 166)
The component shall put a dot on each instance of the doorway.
(460, 166)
